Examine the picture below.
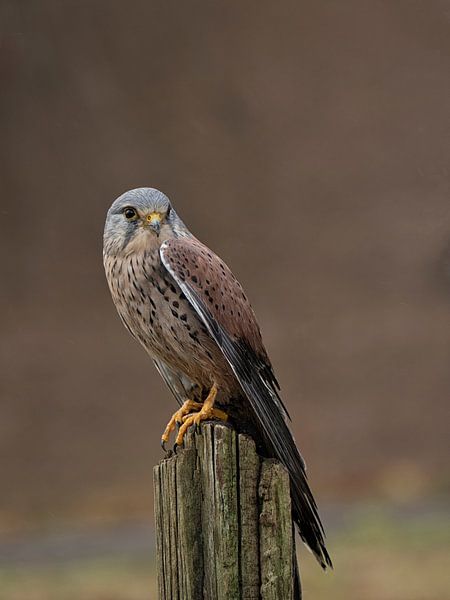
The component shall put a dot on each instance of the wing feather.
(220, 302)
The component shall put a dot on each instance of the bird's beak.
(154, 221)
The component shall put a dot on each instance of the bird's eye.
(130, 213)
(168, 211)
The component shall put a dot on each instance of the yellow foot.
(206, 413)
(177, 419)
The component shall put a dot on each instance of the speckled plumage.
(156, 313)
(183, 304)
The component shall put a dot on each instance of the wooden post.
(223, 521)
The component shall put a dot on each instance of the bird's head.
(140, 217)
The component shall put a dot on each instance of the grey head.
(141, 217)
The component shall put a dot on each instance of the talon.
(206, 413)
(177, 418)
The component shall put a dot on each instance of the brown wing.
(220, 302)
(208, 276)
(218, 297)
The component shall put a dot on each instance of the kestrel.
(182, 303)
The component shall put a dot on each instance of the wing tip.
(325, 559)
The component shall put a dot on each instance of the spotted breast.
(157, 313)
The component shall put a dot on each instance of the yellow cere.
(154, 216)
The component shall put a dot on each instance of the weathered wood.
(223, 521)
(275, 530)
(190, 555)
(226, 514)
(205, 446)
(249, 517)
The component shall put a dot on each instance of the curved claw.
(206, 413)
(177, 419)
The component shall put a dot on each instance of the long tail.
(281, 445)
(307, 519)
(304, 508)
(257, 380)
(270, 419)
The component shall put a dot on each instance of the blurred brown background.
(308, 144)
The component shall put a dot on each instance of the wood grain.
(223, 521)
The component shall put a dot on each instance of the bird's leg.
(177, 419)
(206, 412)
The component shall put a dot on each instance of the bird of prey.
(182, 303)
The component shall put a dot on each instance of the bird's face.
(141, 217)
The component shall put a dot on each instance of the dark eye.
(168, 211)
(130, 213)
